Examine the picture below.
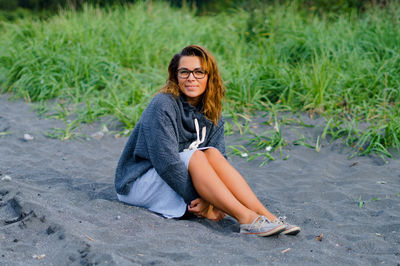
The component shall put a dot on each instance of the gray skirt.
(150, 191)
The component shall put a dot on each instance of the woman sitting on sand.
(174, 161)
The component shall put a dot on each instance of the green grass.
(111, 61)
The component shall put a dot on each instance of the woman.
(171, 167)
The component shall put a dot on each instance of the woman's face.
(192, 78)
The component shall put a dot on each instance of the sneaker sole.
(271, 232)
(293, 231)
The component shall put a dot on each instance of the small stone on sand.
(28, 137)
(6, 178)
(39, 257)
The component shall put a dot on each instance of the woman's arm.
(161, 137)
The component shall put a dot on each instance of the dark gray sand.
(58, 205)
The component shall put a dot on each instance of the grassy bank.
(101, 62)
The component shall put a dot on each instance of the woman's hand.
(198, 207)
(202, 208)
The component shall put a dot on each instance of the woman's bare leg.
(236, 184)
(213, 190)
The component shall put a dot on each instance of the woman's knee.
(201, 157)
(198, 157)
(214, 152)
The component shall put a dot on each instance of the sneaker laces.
(258, 222)
(281, 220)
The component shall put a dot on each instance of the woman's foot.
(289, 228)
(261, 226)
(214, 214)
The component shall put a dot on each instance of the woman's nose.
(191, 76)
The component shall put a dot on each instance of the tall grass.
(111, 61)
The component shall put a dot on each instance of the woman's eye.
(184, 72)
(199, 72)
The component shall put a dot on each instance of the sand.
(58, 205)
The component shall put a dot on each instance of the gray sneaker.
(289, 228)
(261, 226)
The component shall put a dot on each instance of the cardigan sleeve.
(161, 137)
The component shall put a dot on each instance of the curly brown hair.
(212, 98)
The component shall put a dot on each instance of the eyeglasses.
(185, 73)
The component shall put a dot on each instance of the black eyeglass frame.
(191, 72)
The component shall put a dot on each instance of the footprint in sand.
(11, 210)
(4, 124)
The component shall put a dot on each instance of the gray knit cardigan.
(166, 128)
